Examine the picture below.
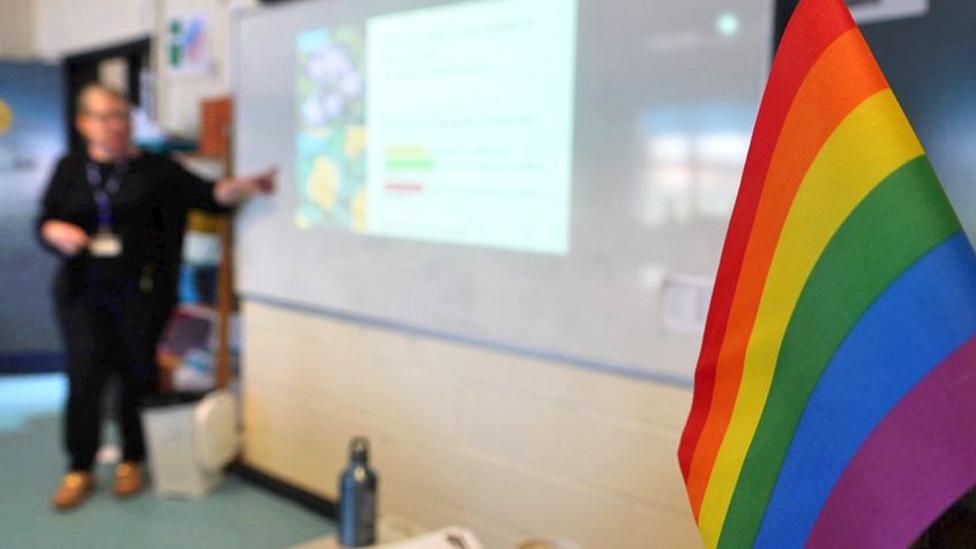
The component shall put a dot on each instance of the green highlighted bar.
(408, 157)
(418, 164)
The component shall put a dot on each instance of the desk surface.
(389, 530)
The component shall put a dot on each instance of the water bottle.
(357, 497)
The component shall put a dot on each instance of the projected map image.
(331, 136)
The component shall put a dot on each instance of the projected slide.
(447, 124)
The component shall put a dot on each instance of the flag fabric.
(835, 393)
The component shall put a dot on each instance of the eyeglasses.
(118, 117)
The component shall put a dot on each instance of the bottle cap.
(359, 449)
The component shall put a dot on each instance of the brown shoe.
(74, 488)
(128, 479)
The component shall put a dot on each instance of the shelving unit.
(212, 160)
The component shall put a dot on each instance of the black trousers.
(107, 331)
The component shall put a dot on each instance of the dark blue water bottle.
(357, 497)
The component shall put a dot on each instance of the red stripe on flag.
(814, 26)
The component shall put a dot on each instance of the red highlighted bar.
(404, 186)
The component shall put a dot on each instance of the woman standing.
(112, 213)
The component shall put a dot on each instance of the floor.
(238, 515)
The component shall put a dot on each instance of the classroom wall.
(507, 445)
(29, 146)
(16, 29)
(51, 29)
(68, 26)
(179, 96)
(510, 446)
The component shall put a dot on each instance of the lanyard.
(103, 193)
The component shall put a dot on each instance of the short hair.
(84, 96)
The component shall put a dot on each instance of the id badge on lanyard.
(106, 243)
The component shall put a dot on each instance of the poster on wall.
(188, 49)
(30, 118)
(31, 140)
(13, 156)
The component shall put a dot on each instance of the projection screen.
(544, 177)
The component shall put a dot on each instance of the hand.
(66, 238)
(230, 192)
(264, 182)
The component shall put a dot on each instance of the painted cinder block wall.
(507, 445)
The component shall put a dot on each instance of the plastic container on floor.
(189, 441)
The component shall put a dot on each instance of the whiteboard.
(663, 98)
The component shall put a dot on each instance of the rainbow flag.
(836, 387)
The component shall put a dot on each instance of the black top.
(148, 212)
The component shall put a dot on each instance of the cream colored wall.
(68, 26)
(17, 29)
(509, 446)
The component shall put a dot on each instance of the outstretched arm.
(232, 191)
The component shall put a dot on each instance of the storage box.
(190, 443)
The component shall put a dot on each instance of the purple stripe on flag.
(917, 462)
